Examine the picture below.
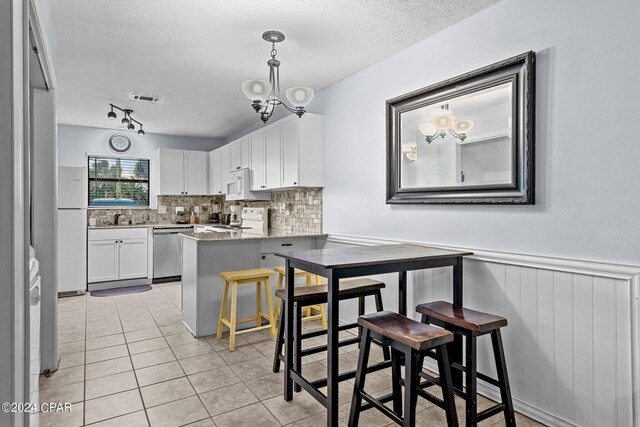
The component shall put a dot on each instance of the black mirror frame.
(524, 143)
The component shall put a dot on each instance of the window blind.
(118, 182)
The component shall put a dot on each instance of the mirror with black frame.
(465, 140)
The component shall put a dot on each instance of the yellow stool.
(231, 281)
(308, 314)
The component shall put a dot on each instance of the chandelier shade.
(265, 95)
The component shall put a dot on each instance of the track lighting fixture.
(127, 120)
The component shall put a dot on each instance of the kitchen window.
(118, 182)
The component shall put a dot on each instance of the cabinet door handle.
(237, 167)
(286, 244)
(264, 257)
(295, 183)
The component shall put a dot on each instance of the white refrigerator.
(72, 230)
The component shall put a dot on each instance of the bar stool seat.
(308, 310)
(312, 295)
(472, 324)
(412, 340)
(462, 317)
(232, 279)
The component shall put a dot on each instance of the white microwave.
(238, 187)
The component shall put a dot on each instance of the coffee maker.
(214, 217)
(236, 218)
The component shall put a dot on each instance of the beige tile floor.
(128, 361)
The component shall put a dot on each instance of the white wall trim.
(624, 278)
(568, 265)
(42, 43)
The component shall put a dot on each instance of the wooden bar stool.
(231, 281)
(308, 310)
(305, 296)
(412, 340)
(472, 324)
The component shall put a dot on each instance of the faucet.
(116, 217)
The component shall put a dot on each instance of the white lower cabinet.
(117, 254)
(133, 258)
(103, 260)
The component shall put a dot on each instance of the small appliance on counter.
(181, 216)
(214, 217)
(236, 211)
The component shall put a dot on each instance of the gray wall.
(74, 142)
(588, 87)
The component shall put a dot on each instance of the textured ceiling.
(196, 53)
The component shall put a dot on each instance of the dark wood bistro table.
(341, 263)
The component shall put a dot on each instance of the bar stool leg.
(445, 382)
(307, 282)
(279, 286)
(297, 348)
(471, 380)
(363, 361)
(221, 314)
(258, 304)
(323, 320)
(503, 378)
(234, 307)
(279, 340)
(410, 394)
(379, 307)
(272, 317)
(396, 366)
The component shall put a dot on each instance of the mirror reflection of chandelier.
(443, 123)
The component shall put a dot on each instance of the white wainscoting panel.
(572, 340)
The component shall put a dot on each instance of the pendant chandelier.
(443, 123)
(265, 95)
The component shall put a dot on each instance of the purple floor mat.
(121, 291)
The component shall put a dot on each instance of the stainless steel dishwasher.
(167, 252)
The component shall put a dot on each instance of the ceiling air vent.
(145, 98)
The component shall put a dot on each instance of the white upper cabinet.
(302, 151)
(171, 168)
(258, 178)
(273, 157)
(215, 173)
(182, 172)
(195, 172)
(239, 154)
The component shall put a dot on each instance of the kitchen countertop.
(164, 225)
(247, 235)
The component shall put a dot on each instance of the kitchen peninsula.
(205, 255)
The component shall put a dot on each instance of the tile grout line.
(176, 357)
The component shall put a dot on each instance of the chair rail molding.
(573, 340)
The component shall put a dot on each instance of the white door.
(272, 156)
(72, 188)
(290, 175)
(102, 256)
(256, 141)
(215, 176)
(235, 156)
(171, 172)
(224, 170)
(245, 153)
(195, 172)
(133, 258)
(72, 246)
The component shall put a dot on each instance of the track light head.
(131, 126)
(141, 132)
(125, 121)
(111, 115)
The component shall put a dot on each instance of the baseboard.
(118, 284)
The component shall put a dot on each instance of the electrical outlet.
(179, 209)
(196, 209)
(162, 209)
